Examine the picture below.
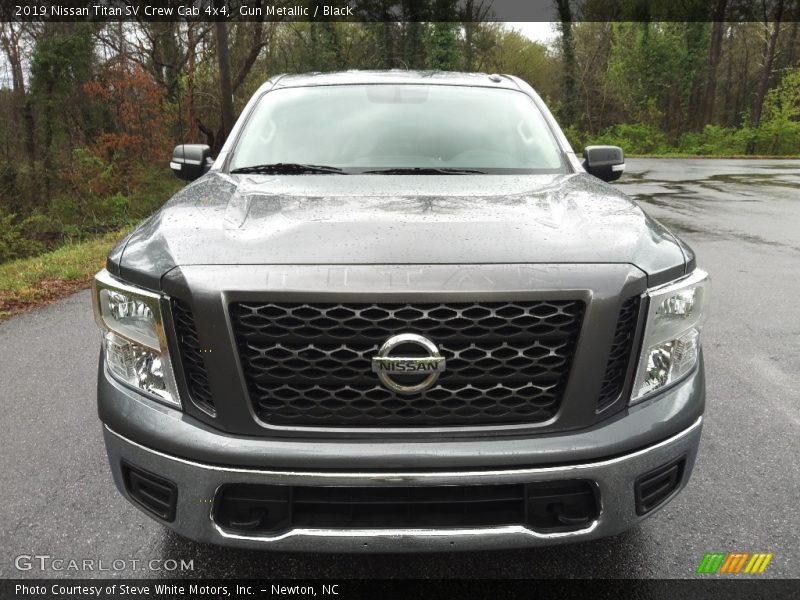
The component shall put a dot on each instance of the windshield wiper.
(288, 169)
(426, 171)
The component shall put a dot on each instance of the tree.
(137, 121)
(714, 55)
(779, 131)
(474, 13)
(517, 55)
(15, 41)
(772, 32)
(443, 51)
(570, 64)
(62, 62)
(225, 85)
(414, 47)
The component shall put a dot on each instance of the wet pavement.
(753, 201)
(743, 220)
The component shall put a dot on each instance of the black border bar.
(728, 588)
(393, 10)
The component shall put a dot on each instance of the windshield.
(359, 128)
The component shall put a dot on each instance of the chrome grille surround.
(308, 364)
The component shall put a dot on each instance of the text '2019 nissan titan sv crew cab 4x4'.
(396, 313)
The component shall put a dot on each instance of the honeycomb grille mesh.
(619, 357)
(194, 367)
(310, 364)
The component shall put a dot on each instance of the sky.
(543, 32)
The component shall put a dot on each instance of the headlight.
(133, 337)
(672, 333)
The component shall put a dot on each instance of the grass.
(716, 156)
(31, 282)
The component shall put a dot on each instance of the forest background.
(89, 112)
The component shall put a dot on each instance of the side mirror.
(190, 161)
(604, 162)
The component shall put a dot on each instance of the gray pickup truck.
(397, 313)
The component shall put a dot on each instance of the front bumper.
(198, 484)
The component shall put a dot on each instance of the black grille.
(310, 364)
(194, 367)
(619, 357)
(270, 509)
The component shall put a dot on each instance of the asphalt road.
(743, 220)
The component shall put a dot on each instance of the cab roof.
(394, 76)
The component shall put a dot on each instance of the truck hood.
(400, 219)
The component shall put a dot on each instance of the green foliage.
(443, 43)
(25, 237)
(325, 46)
(10, 242)
(40, 227)
(517, 55)
(777, 135)
(443, 53)
(715, 140)
(779, 132)
(115, 209)
(773, 138)
(94, 198)
(62, 62)
(9, 180)
(576, 138)
(86, 184)
(650, 64)
(636, 138)
(151, 187)
(414, 45)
